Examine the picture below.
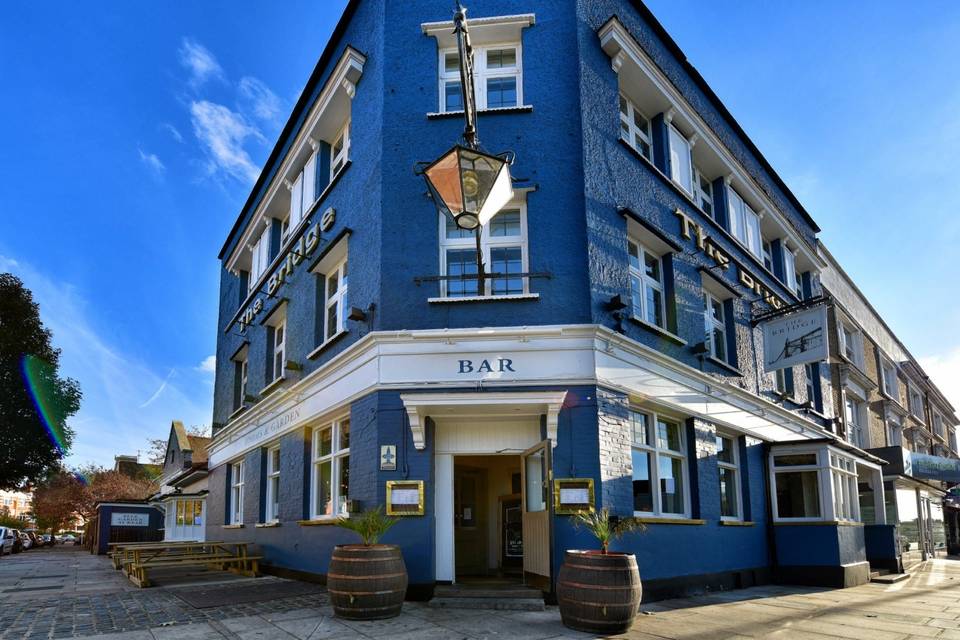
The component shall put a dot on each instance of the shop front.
(917, 501)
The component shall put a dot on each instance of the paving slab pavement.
(925, 606)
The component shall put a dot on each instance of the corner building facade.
(612, 361)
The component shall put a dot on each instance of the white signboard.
(574, 495)
(797, 338)
(121, 519)
(405, 496)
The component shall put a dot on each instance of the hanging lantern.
(469, 185)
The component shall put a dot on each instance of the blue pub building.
(613, 360)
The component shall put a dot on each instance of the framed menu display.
(404, 497)
(572, 496)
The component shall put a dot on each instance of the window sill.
(736, 523)
(326, 343)
(724, 365)
(233, 526)
(503, 298)
(266, 525)
(273, 386)
(656, 520)
(236, 413)
(660, 331)
(439, 115)
(319, 522)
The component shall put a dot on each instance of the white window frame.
(843, 483)
(888, 369)
(852, 343)
(338, 299)
(710, 324)
(272, 501)
(790, 270)
(822, 486)
(938, 429)
(894, 423)
(279, 350)
(655, 453)
(338, 160)
(487, 243)
(481, 74)
(646, 282)
(236, 491)
(856, 421)
(915, 408)
(703, 195)
(634, 132)
(335, 458)
(302, 196)
(780, 383)
(680, 149)
(809, 381)
(259, 258)
(744, 223)
(735, 468)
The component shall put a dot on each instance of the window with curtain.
(330, 478)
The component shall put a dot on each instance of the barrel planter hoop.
(366, 583)
(599, 593)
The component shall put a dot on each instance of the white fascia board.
(344, 77)
(619, 44)
(482, 30)
(555, 355)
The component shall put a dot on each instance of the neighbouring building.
(16, 504)
(183, 485)
(132, 467)
(611, 360)
(887, 405)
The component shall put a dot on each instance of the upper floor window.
(855, 418)
(681, 162)
(783, 379)
(335, 303)
(241, 364)
(260, 258)
(793, 280)
(646, 284)
(236, 492)
(704, 192)
(303, 192)
(811, 372)
(888, 379)
(916, 403)
(728, 460)
(938, 425)
(635, 128)
(767, 250)
(851, 344)
(744, 223)
(330, 477)
(340, 150)
(272, 501)
(659, 466)
(715, 325)
(894, 430)
(279, 349)
(503, 243)
(498, 77)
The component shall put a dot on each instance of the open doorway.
(488, 523)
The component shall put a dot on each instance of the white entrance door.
(185, 519)
(536, 476)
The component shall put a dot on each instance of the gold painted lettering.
(312, 239)
(685, 223)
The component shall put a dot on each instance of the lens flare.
(38, 379)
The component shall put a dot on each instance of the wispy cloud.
(172, 130)
(259, 99)
(944, 371)
(198, 60)
(208, 365)
(223, 132)
(152, 162)
(112, 417)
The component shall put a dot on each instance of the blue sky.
(132, 137)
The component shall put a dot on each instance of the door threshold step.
(890, 578)
(487, 591)
(499, 604)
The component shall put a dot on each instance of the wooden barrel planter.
(599, 593)
(366, 582)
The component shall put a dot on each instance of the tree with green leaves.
(35, 401)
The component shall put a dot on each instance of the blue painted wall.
(105, 512)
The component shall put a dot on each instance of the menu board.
(572, 495)
(405, 497)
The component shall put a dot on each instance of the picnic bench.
(137, 560)
(120, 553)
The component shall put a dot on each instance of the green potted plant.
(599, 590)
(367, 581)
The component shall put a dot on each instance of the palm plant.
(369, 525)
(605, 528)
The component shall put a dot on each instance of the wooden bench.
(241, 564)
(121, 552)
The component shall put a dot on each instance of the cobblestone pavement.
(925, 606)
